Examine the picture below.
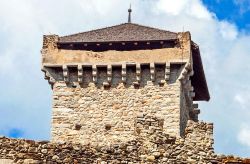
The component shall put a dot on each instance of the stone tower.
(109, 83)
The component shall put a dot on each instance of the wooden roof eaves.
(130, 41)
(199, 76)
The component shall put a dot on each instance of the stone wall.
(53, 55)
(50, 42)
(151, 145)
(92, 113)
(98, 104)
(184, 110)
(186, 107)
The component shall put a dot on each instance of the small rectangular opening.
(145, 74)
(56, 73)
(87, 75)
(116, 75)
(175, 71)
(131, 74)
(159, 72)
(73, 74)
(101, 75)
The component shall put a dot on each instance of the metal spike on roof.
(129, 14)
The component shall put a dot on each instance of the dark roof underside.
(120, 33)
(199, 80)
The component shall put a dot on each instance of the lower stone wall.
(151, 145)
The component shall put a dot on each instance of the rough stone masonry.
(122, 94)
(98, 95)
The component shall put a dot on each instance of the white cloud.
(192, 8)
(237, 61)
(243, 99)
(227, 30)
(244, 135)
(172, 8)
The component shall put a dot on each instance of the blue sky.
(234, 11)
(220, 27)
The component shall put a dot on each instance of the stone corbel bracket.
(138, 75)
(109, 76)
(94, 73)
(47, 76)
(167, 71)
(152, 71)
(124, 73)
(138, 72)
(65, 73)
(193, 114)
(80, 73)
(186, 73)
(109, 73)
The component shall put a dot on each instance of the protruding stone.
(44, 151)
(161, 82)
(55, 157)
(151, 158)
(48, 76)
(195, 105)
(106, 84)
(136, 83)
